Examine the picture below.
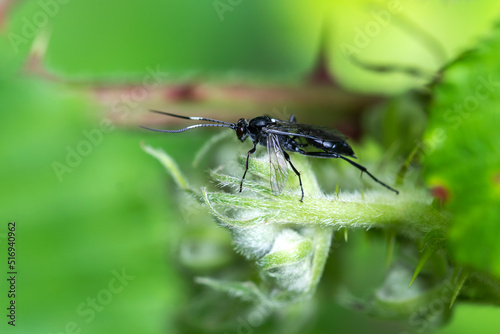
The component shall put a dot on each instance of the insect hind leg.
(358, 166)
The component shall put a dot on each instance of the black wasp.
(281, 136)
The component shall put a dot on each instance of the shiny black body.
(282, 136)
(294, 136)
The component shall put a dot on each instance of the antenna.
(219, 123)
(191, 118)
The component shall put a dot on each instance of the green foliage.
(73, 231)
(462, 155)
(183, 38)
(114, 209)
(290, 241)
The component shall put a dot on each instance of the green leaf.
(186, 38)
(170, 165)
(462, 159)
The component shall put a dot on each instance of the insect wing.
(277, 163)
(305, 130)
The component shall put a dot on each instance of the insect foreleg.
(358, 166)
(252, 151)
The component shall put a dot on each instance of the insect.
(279, 137)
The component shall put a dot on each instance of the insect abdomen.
(332, 146)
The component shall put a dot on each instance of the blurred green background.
(79, 76)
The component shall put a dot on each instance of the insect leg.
(358, 166)
(287, 157)
(252, 151)
(293, 119)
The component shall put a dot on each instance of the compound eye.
(240, 131)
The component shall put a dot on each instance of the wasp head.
(242, 129)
